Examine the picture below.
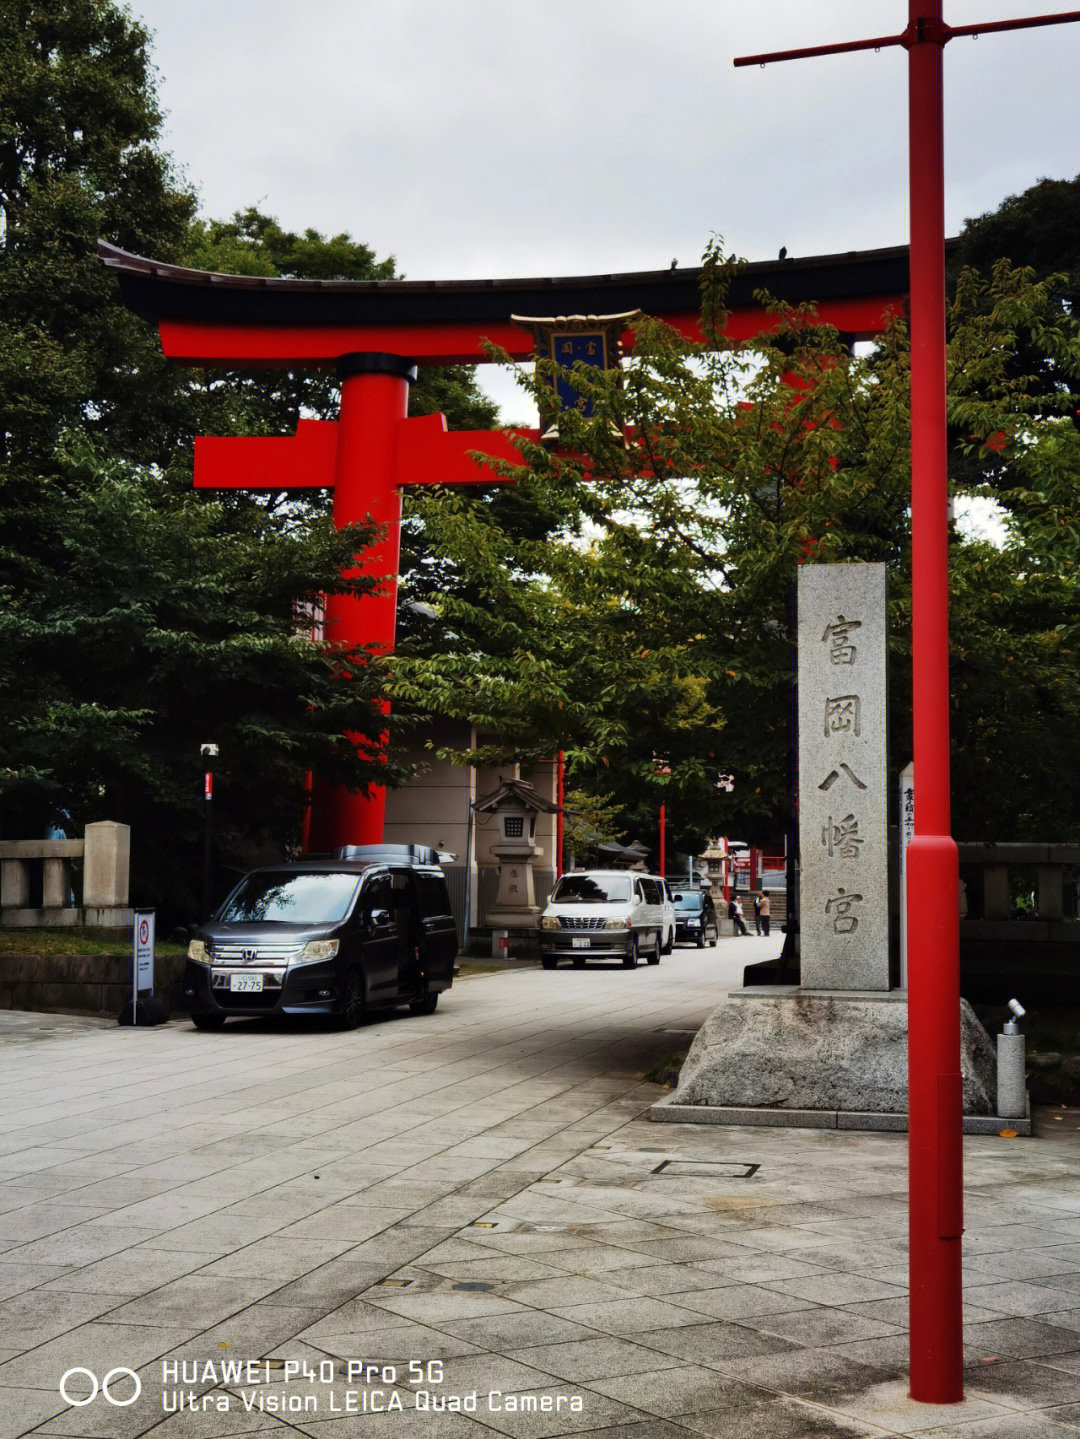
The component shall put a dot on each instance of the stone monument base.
(781, 1055)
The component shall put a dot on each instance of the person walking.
(764, 910)
(757, 911)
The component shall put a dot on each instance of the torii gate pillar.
(374, 401)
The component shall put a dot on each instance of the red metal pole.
(935, 1088)
(560, 796)
(663, 839)
(374, 400)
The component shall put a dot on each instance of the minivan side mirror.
(379, 918)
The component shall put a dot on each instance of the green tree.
(169, 621)
(657, 623)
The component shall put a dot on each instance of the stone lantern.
(515, 804)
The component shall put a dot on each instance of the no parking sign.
(144, 952)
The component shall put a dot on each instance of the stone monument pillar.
(832, 1051)
(843, 769)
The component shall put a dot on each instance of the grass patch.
(75, 941)
(665, 1069)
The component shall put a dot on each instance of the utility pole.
(935, 1085)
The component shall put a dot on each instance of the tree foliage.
(652, 636)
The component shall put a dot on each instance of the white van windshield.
(592, 889)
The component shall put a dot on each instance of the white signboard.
(144, 951)
(907, 831)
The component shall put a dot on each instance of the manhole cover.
(705, 1169)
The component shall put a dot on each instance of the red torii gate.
(376, 333)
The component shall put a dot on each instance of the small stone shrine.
(515, 804)
(831, 1051)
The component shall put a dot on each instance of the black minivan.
(368, 929)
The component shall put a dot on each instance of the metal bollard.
(1011, 1085)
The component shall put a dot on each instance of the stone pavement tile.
(351, 1222)
(1022, 1383)
(773, 1418)
(695, 1248)
(527, 1241)
(665, 1279)
(822, 1326)
(40, 1314)
(1012, 1296)
(680, 1390)
(331, 1284)
(589, 1359)
(84, 1244)
(34, 1221)
(133, 1271)
(1044, 1424)
(760, 1268)
(212, 1425)
(503, 1333)
(1058, 1281)
(644, 1429)
(1070, 1362)
(737, 1301)
(888, 1407)
(250, 1333)
(993, 1238)
(598, 1412)
(713, 1344)
(281, 1258)
(97, 1345)
(837, 1288)
(390, 1426)
(604, 1259)
(1019, 1338)
(217, 1233)
(494, 1268)
(626, 1316)
(564, 1290)
(17, 1278)
(814, 1374)
(194, 1301)
(1064, 1318)
(397, 1346)
(1024, 1264)
(23, 1409)
(456, 1251)
(432, 1308)
(888, 1357)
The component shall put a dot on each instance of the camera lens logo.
(73, 1393)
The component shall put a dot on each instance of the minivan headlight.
(196, 951)
(617, 923)
(549, 921)
(317, 951)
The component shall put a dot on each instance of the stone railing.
(104, 851)
(1020, 922)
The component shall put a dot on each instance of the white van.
(605, 914)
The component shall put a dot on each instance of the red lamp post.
(935, 1086)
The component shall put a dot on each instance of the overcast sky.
(559, 137)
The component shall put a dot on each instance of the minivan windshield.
(592, 889)
(688, 899)
(285, 896)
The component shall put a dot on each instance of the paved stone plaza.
(480, 1195)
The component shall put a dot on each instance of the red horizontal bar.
(429, 454)
(268, 462)
(294, 346)
(809, 50)
(1066, 18)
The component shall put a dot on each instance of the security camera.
(1017, 1008)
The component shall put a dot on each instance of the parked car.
(603, 914)
(695, 917)
(369, 929)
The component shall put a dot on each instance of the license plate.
(579, 943)
(245, 983)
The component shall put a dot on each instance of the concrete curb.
(666, 1111)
